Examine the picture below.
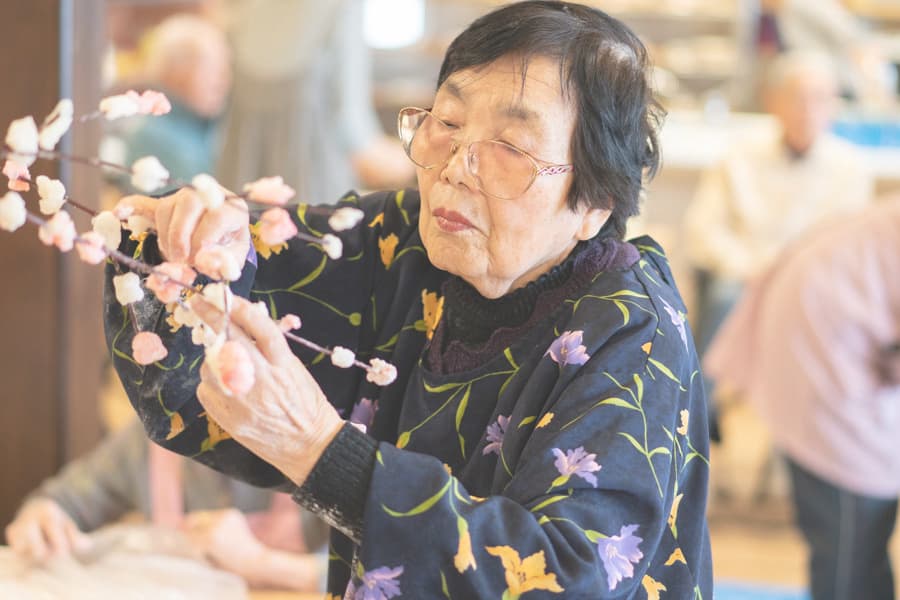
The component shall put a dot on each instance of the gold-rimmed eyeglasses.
(500, 170)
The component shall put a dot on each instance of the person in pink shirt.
(814, 346)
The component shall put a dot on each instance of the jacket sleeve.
(105, 484)
(605, 495)
(330, 296)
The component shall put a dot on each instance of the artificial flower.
(147, 348)
(56, 124)
(128, 288)
(342, 357)
(289, 323)
(168, 279)
(217, 263)
(148, 174)
(52, 193)
(332, 246)
(58, 231)
(109, 227)
(567, 349)
(90, 248)
(150, 102)
(276, 227)
(381, 372)
(219, 295)
(209, 190)
(119, 105)
(618, 553)
(12, 211)
(345, 218)
(22, 139)
(183, 316)
(18, 175)
(269, 190)
(138, 224)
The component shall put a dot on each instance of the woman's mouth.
(451, 221)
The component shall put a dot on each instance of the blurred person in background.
(814, 346)
(302, 106)
(767, 192)
(261, 535)
(186, 57)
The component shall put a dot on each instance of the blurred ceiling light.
(394, 23)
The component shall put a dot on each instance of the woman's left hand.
(284, 418)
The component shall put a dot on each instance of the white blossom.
(332, 245)
(183, 315)
(381, 372)
(52, 193)
(345, 218)
(148, 174)
(12, 211)
(342, 357)
(209, 190)
(22, 139)
(203, 335)
(138, 224)
(215, 294)
(121, 105)
(56, 124)
(128, 288)
(109, 227)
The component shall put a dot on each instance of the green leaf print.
(423, 507)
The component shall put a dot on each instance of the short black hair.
(604, 70)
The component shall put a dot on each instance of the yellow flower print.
(265, 251)
(646, 347)
(524, 575)
(685, 415)
(652, 587)
(215, 432)
(379, 220)
(545, 420)
(676, 556)
(176, 425)
(432, 309)
(387, 246)
(673, 514)
(464, 557)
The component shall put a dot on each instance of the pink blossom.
(234, 367)
(164, 277)
(151, 102)
(276, 227)
(289, 323)
(90, 248)
(12, 211)
(217, 263)
(381, 372)
(147, 348)
(56, 124)
(59, 231)
(18, 175)
(342, 357)
(269, 190)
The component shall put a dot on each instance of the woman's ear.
(593, 219)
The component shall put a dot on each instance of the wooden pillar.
(51, 350)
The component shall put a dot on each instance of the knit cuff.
(338, 485)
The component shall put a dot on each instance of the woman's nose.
(456, 171)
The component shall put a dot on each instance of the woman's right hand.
(42, 529)
(184, 224)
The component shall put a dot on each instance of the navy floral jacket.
(572, 464)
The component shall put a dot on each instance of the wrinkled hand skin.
(42, 530)
(184, 225)
(284, 418)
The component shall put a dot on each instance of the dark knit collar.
(475, 328)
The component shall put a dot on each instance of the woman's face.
(500, 245)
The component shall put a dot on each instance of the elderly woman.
(547, 430)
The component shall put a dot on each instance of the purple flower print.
(495, 433)
(568, 350)
(576, 462)
(618, 554)
(379, 584)
(363, 412)
(677, 319)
